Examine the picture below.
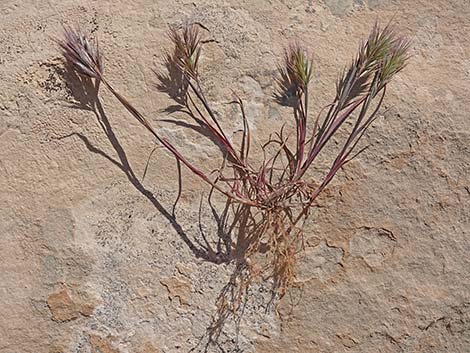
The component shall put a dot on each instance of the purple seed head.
(82, 53)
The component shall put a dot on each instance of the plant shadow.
(85, 95)
(171, 82)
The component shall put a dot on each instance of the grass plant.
(271, 200)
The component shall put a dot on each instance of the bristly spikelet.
(394, 61)
(82, 53)
(187, 48)
(380, 57)
(295, 72)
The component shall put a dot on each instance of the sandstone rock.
(62, 307)
(374, 4)
(57, 349)
(87, 309)
(147, 348)
(373, 245)
(185, 269)
(178, 288)
(100, 344)
(339, 7)
(75, 210)
(319, 262)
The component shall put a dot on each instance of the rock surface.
(61, 306)
(91, 258)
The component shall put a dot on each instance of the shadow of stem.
(85, 92)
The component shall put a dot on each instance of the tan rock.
(102, 344)
(148, 348)
(178, 288)
(87, 309)
(56, 349)
(71, 210)
(186, 269)
(62, 306)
